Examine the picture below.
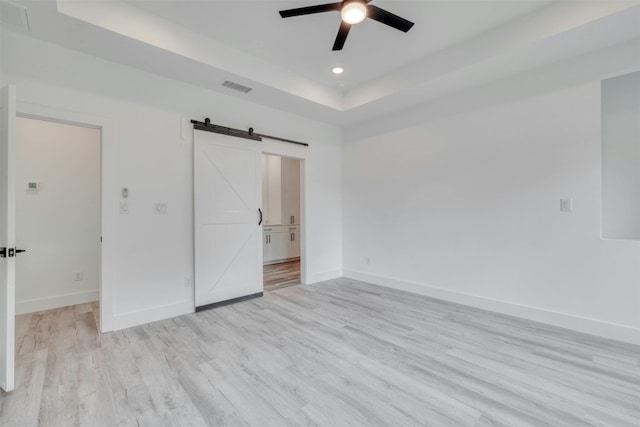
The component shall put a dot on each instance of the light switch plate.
(124, 208)
(566, 205)
(160, 208)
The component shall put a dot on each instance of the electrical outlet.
(77, 276)
(367, 260)
(188, 282)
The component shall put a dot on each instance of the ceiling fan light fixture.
(337, 70)
(351, 12)
(354, 12)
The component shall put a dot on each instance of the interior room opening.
(58, 217)
(282, 225)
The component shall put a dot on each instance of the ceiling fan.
(352, 12)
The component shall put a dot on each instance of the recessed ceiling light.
(337, 70)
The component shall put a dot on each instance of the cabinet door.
(276, 244)
(267, 248)
(290, 190)
(265, 190)
(280, 245)
(274, 190)
(294, 243)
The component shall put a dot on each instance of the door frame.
(107, 218)
(7, 311)
(302, 153)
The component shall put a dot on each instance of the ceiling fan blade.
(343, 32)
(388, 18)
(311, 9)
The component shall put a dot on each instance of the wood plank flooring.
(276, 276)
(339, 353)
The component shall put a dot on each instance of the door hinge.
(7, 252)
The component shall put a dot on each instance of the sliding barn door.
(7, 236)
(227, 198)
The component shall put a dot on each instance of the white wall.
(621, 157)
(466, 208)
(146, 149)
(59, 224)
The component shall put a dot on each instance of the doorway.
(58, 216)
(282, 227)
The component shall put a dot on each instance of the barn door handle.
(260, 212)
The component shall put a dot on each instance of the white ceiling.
(454, 45)
(303, 44)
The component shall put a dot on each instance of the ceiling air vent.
(237, 86)
(14, 15)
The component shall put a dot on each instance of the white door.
(7, 236)
(227, 198)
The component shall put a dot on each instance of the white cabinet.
(290, 180)
(265, 189)
(274, 244)
(280, 244)
(272, 189)
(294, 242)
(280, 190)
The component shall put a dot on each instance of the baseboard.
(57, 301)
(135, 318)
(581, 324)
(321, 277)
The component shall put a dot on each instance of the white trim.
(135, 318)
(569, 321)
(46, 303)
(8, 146)
(51, 113)
(321, 277)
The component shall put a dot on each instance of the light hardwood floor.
(340, 353)
(276, 276)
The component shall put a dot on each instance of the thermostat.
(32, 185)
